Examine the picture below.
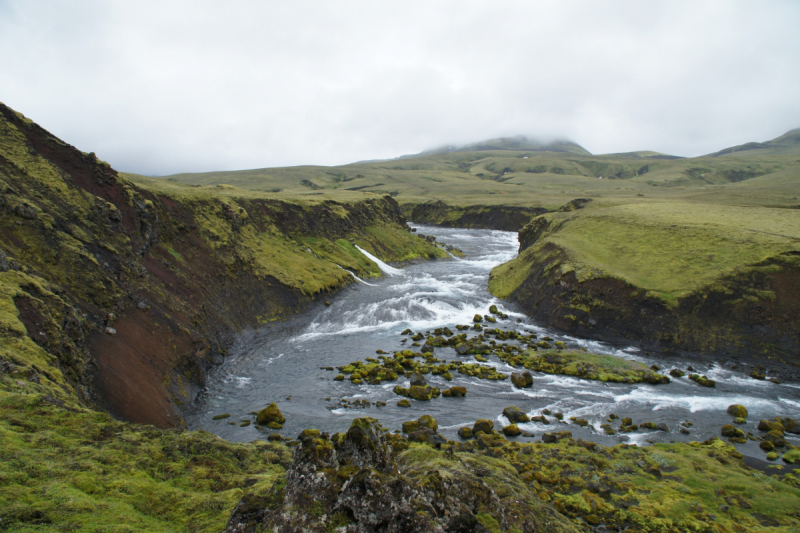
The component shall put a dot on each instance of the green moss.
(85, 471)
(587, 365)
(669, 250)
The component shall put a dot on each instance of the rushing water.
(282, 363)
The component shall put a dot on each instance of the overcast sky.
(169, 86)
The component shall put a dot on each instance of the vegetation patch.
(63, 468)
(587, 365)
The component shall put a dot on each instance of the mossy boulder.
(792, 456)
(417, 379)
(775, 437)
(512, 430)
(271, 414)
(422, 394)
(729, 430)
(766, 445)
(465, 432)
(428, 421)
(523, 380)
(515, 415)
(404, 403)
(482, 424)
(556, 436)
(702, 380)
(791, 425)
(477, 318)
(770, 425)
(737, 411)
(456, 391)
(740, 421)
(677, 373)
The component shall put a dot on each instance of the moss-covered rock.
(362, 483)
(737, 411)
(515, 415)
(482, 424)
(522, 380)
(586, 365)
(511, 430)
(702, 380)
(270, 414)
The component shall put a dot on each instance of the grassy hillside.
(670, 249)
(668, 229)
(543, 179)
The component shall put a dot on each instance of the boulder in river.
(418, 380)
(737, 411)
(457, 391)
(770, 425)
(791, 425)
(482, 424)
(512, 430)
(270, 414)
(477, 318)
(515, 415)
(423, 393)
(522, 380)
(702, 380)
(729, 430)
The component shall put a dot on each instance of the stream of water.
(283, 363)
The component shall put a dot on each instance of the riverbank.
(716, 279)
(124, 294)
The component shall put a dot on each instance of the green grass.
(668, 248)
(547, 179)
(84, 471)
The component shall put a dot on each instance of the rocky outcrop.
(369, 480)
(499, 217)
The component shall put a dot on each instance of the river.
(282, 363)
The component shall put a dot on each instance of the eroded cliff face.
(127, 297)
(751, 312)
(499, 217)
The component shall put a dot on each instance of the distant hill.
(519, 171)
(790, 139)
(518, 143)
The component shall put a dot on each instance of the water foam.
(693, 403)
(388, 270)
(356, 277)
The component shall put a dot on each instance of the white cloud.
(161, 87)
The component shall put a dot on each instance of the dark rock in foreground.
(368, 480)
